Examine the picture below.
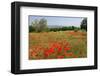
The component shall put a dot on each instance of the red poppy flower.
(33, 53)
(59, 49)
(51, 50)
(67, 48)
(46, 54)
(69, 54)
(60, 57)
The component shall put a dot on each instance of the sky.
(58, 20)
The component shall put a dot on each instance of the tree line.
(41, 26)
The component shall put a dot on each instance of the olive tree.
(39, 25)
(42, 25)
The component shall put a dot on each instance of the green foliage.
(31, 28)
(65, 28)
(42, 25)
(39, 25)
(84, 24)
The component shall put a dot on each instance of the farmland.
(55, 45)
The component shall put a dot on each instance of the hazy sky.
(57, 20)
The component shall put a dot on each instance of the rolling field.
(55, 45)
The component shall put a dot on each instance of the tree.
(31, 29)
(73, 27)
(84, 24)
(42, 25)
(39, 25)
(35, 24)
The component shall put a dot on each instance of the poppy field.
(57, 45)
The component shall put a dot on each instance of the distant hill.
(55, 26)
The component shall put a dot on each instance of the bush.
(31, 29)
